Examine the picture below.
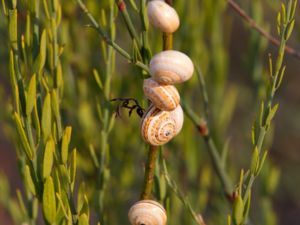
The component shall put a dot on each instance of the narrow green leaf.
(62, 206)
(238, 210)
(289, 29)
(247, 207)
(4, 8)
(41, 59)
(94, 156)
(279, 23)
(28, 34)
(65, 144)
(48, 158)
(283, 11)
(254, 161)
(85, 207)
(281, 75)
(49, 201)
(73, 166)
(37, 125)
(262, 112)
(46, 118)
(98, 79)
(21, 203)
(31, 96)
(23, 138)
(262, 161)
(294, 7)
(272, 114)
(29, 184)
(133, 4)
(13, 28)
(83, 220)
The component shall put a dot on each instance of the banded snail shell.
(164, 97)
(171, 67)
(147, 212)
(163, 16)
(158, 127)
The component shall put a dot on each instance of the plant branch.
(202, 127)
(153, 150)
(108, 40)
(260, 30)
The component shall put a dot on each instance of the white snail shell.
(159, 127)
(164, 97)
(163, 16)
(171, 67)
(147, 212)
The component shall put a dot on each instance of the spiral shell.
(163, 16)
(171, 67)
(147, 212)
(159, 127)
(164, 97)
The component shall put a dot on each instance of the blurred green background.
(233, 59)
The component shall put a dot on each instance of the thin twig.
(256, 27)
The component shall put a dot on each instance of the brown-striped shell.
(158, 127)
(171, 67)
(163, 16)
(164, 97)
(147, 212)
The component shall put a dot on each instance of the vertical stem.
(149, 172)
(153, 151)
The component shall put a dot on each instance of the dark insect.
(128, 103)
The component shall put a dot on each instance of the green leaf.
(46, 118)
(254, 161)
(29, 184)
(272, 114)
(65, 144)
(85, 207)
(262, 161)
(73, 166)
(238, 209)
(83, 220)
(49, 201)
(13, 28)
(31, 96)
(247, 207)
(23, 138)
(41, 59)
(289, 29)
(48, 158)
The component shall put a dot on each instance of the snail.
(164, 97)
(147, 212)
(159, 127)
(171, 67)
(163, 16)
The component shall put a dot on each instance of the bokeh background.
(233, 58)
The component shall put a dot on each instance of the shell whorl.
(171, 67)
(147, 212)
(163, 16)
(164, 97)
(159, 127)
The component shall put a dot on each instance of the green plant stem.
(122, 8)
(201, 125)
(108, 40)
(269, 102)
(260, 30)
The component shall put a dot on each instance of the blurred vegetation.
(80, 74)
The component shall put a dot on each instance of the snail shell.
(171, 67)
(164, 97)
(147, 212)
(159, 127)
(163, 16)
